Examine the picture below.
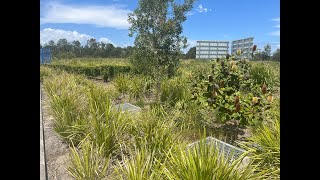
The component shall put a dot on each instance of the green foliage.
(249, 113)
(122, 83)
(266, 53)
(64, 49)
(44, 72)
(65, 55)
(68, 108)
(205, 162)
(106, 125)
(138, 87)
(106, 71)
(158, 26)
(142, 165)
(88, 164)
(154, 132)
(231, 79)
(191, 54)
(174, 90)
(149, 144)
(265, 142)
(276, 55)
(191, 115)
(83, 110)
(263, 73)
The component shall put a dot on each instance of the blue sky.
(106, 21)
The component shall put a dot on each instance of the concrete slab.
(127, 107)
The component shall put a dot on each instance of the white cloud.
(275, 33)
(106, 40)
(49, 34)
(190, 13)
(202, 9)
(275, 45)
(101, 16)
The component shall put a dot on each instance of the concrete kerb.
(43, 165)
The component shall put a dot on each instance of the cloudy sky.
(106, 21)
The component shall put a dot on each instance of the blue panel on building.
(45, 56)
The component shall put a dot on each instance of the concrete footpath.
(43, 169)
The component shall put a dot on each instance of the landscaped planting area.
(235, 101)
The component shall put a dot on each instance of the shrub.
(231, 79)
(106, 71)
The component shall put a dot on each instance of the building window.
(204, 48)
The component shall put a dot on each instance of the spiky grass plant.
(142, 164)
(45, 72)
(265, 142)
(264, 73)
(137, 87)
(82, 110)
(204, 162)
(154, 133)
(88, 163)
(122, 83)
(173, 90)
(107, 125)
(68, 106)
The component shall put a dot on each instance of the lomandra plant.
(265, 142)
(138, 87)
(142, 164)
(88, 163)
(107, 125)
(154, 133)
(262, 73)
(68, 105)
(45, 72)
(204, 162)
(174, 90)
(122, 83)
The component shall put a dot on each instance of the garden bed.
(57, 152)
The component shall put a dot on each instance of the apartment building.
(211, 49)
(243, 44)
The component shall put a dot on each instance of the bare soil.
(57, 152)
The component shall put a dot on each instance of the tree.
(76, 47)
(62, 45)
(191, 54)
(51, 43)
(157, 26)
(276, 55)
(266, 53)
